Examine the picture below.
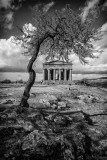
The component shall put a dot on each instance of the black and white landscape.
(53, 121)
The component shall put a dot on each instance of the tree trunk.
(31, 72)
(28, 86)
(31, 79)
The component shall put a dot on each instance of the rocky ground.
(62, 123)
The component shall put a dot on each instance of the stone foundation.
(57, 82)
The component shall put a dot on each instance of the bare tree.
(57, 33)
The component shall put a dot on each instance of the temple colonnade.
(57, 74)
(57, 71)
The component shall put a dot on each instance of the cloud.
(2, 64)
(11, 54)
(10, 4)
(9, 20)
(5, 3)
(103, 42)
(10, 7)
(89, 5)
(48, 6)
(29, 28)
(105, 5)
(104, 27)
(96, 65)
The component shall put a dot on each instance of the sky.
(18, 12)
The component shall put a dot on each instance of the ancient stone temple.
(58, 72)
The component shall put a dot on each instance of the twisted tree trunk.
(30, 70)
(31, 79)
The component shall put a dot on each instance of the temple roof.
(57, 62)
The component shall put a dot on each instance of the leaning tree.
(57, 33)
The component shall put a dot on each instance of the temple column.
(59, 74)
(65, 73)
(43, 74)
(70, 75)
(54, 74)
(48, 74)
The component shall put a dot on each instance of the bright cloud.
(90, 4)
(103, 42)
(94, 65)
(29, 28)
(11, 54)
(48, 6)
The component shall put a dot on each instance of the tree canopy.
(57, 34)
(60, 33)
